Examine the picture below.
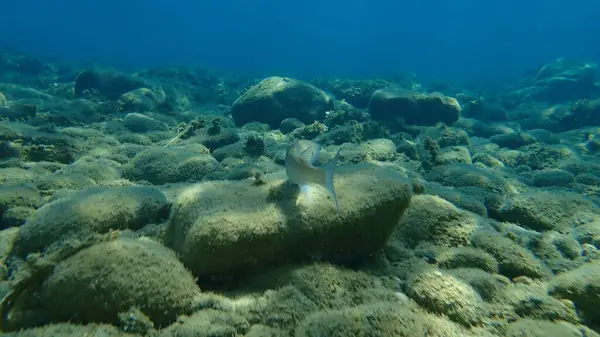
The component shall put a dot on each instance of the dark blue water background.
(459, 40)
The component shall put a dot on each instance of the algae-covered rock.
(326, 286)
(582, 113)
(540, 156)
(547, 210)
(464, 175)
(588, 231)
(484, 110)
(446, 136)
(142, 99)
(553, 178)
(233, 227)
(135, 321)
(561, 80)
(582, 286)
(543, 328)
(18, 196)
(443, 293)
(477, 128)
(487, 160)
(49, 184)
(7, 238)
(513, 140)
(238, 150)
(455, 154)
(414, 108)
(106, 84)
(526, 298)
(18, 112)
(16, 216)
(70, 330)
(99, 282)
(290, 124)
(259, 330)
(276, 98)
(92, 210)
(433, 219)
(378, 149)
(75, 112)
(353, 91)
(208, 323)
(161, 165)
(487, 285)
(216, 139)
(460, 199)
(310, 131)
(513, 259)
(137, 122)
(100, 170)
(352, 132)
(282, 308)
(380, 319)
(560, 252)
(467, 257)
(36, 145)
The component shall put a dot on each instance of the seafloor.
(157, 204)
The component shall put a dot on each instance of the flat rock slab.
(226, 228)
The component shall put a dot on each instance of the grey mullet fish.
(299, 159)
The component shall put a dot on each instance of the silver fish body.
(299, 159)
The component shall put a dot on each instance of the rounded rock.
(276, 98)
(99, 282)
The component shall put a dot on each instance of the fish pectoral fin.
(306, 191)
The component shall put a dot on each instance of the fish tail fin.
(329, 174)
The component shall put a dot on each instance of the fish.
(299, 159)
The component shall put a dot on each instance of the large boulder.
(99, 283)
(105, 83)
(231, 227)
(560, 81)
(414, 108)
(94, 210)
(276, 98)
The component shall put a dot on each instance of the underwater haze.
(299, 169)
(459, 40)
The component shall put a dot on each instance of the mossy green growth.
(378, 319)
(94, 210)
(106, 279)
(226, 228)
(582, 286)
(513, 260)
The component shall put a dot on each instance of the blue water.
(458, 40)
